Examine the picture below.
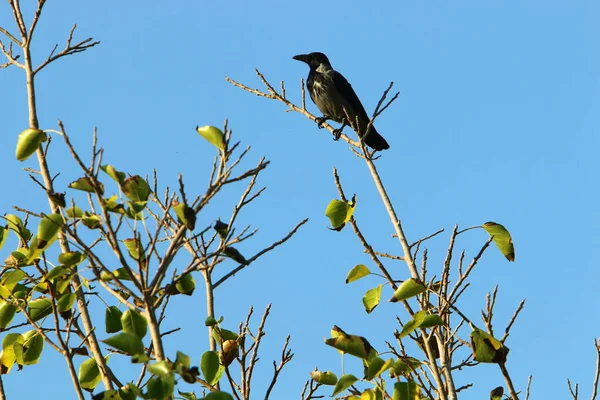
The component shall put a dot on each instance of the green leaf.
(406, 391)
(324, 378)
(33, 346)
(432, 320)
(160, 368)
(12, 350)
(118, 176)
(340, 212)
(502, 239)
(135, 249)
(222, 229)
(66, 301)
(141, 358)
(213, 134)
(3, 235)
(185, 214)
(371, 298)
(15, 224)
(186, 284)
(404, 366)
(71, 258)
(130, 392)
(487, 349)
(357, 346)
(344, 383)
(413, 324)
(74, 212)
(57, 272)
(7, 313)
(18, 258)
(376, 366)
(111, 204)
(235, 255)
(497, 393)
(28, 142)
(63, 284)
(182, 361)
(126, 342)
(112, 319)
(40, 308)
(218, 396)
(409, 288)
(359, 271)
(89, 374)
(212, 370)
(220, 335)
(188, 395)
(9, 281)
(369, 394)
(57, 199)
(135, 210)
(161, 387)
(48, 230)
(120, 273)
(91, 221)
(135, 323)
(136, 188)
(85, 184)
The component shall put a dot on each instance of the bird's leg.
(321, 120)
(338, 132)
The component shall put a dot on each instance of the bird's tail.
(375, 140)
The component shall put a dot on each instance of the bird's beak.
(301, 57)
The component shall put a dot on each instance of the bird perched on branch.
(336, 99)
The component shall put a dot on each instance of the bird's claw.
(320, 121)
(337, 133)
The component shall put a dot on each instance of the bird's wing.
(345, 89)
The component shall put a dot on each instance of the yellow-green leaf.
(357, 272)
(502, 239)
(376, 366)
(126, 342)
(40, 308)
(355, 345)
(371, 298)
(340, 212)
(136, 189)
(211, 368)
(344, 383)
(135, 249)
(324, 377)
(213, 134)
(406, 391)
(32, 347)
(135, 323)
(118, 176)
(409, 288)
(112, 319)
(89, 374)
(28, 142)
(486, 348)
(85, 184)
(185, 214)
(186, 284)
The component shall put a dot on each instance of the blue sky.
(497, 120)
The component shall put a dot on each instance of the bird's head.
(314, 60)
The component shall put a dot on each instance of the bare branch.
(260, 253)
(68, 50)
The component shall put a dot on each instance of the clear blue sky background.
(497, 120)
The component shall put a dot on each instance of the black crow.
(332, 93)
